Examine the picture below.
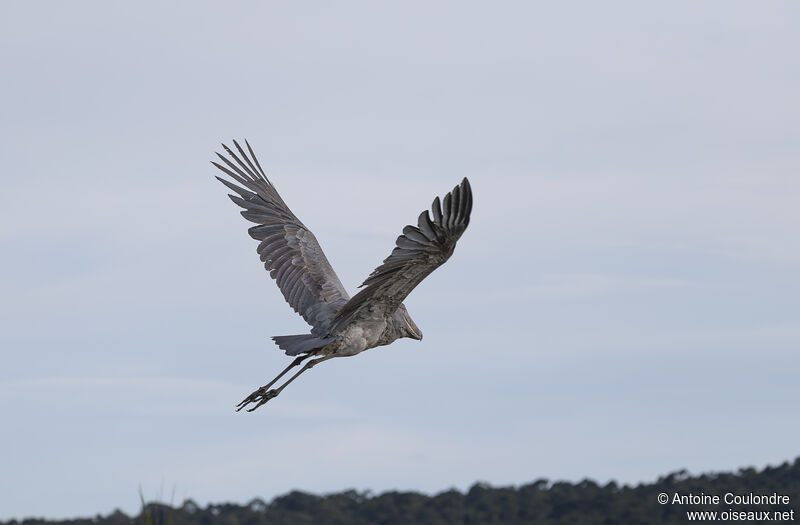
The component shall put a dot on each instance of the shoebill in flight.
(340, 325)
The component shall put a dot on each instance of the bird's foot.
(258, 398)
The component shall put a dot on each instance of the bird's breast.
(360, 336)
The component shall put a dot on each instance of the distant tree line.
(540, 502)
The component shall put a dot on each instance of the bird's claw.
(259, 397)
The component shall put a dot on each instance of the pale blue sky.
(624, 303)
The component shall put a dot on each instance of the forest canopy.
(540, 502)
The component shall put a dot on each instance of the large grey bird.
(340, 325)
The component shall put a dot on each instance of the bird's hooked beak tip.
(411, 329)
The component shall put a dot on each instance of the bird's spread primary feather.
(340, 326)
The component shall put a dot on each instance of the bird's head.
(405, 325)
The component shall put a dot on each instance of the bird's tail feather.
(299, 344)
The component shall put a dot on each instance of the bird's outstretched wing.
(419, 251)
(289, 250)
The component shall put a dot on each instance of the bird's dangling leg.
(254, 397)
(262, 395)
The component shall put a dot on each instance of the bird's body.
(361, 336)
(340, 325)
